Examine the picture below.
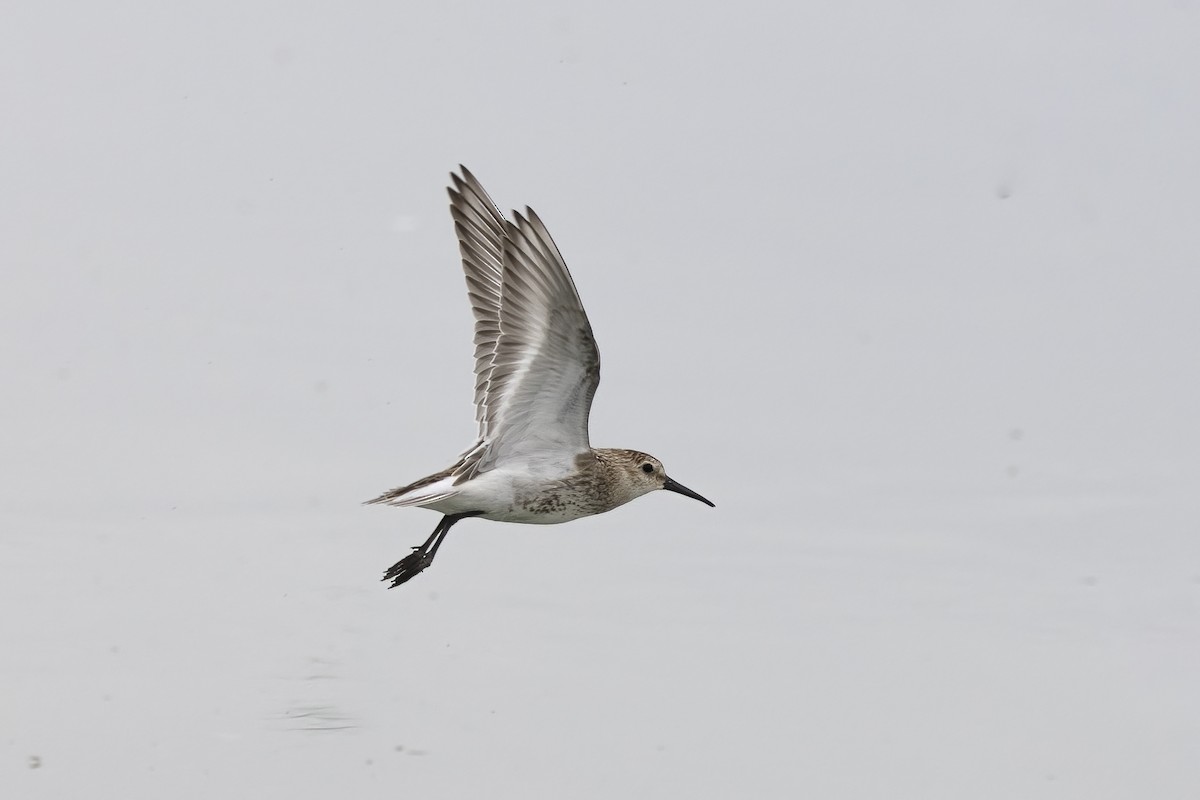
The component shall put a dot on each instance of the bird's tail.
(419, 493)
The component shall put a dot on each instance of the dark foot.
(408, 567)
(421, 557)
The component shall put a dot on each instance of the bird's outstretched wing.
(546, 367)
(536, 363)
(480, 229)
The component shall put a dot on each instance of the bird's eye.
(647, 468)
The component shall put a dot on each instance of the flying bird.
(536, 371)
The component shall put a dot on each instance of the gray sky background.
(909, 290)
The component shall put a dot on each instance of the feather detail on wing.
(546, 365)
(480, 229)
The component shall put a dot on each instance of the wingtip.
(528, 217)
(464, 176)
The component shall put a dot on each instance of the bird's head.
(644, 473)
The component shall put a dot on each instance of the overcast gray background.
(908, 289)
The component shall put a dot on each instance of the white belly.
(537, 499)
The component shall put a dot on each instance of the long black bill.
(672, 486)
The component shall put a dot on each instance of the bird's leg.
(421, 557)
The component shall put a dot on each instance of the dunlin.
(536, 371)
